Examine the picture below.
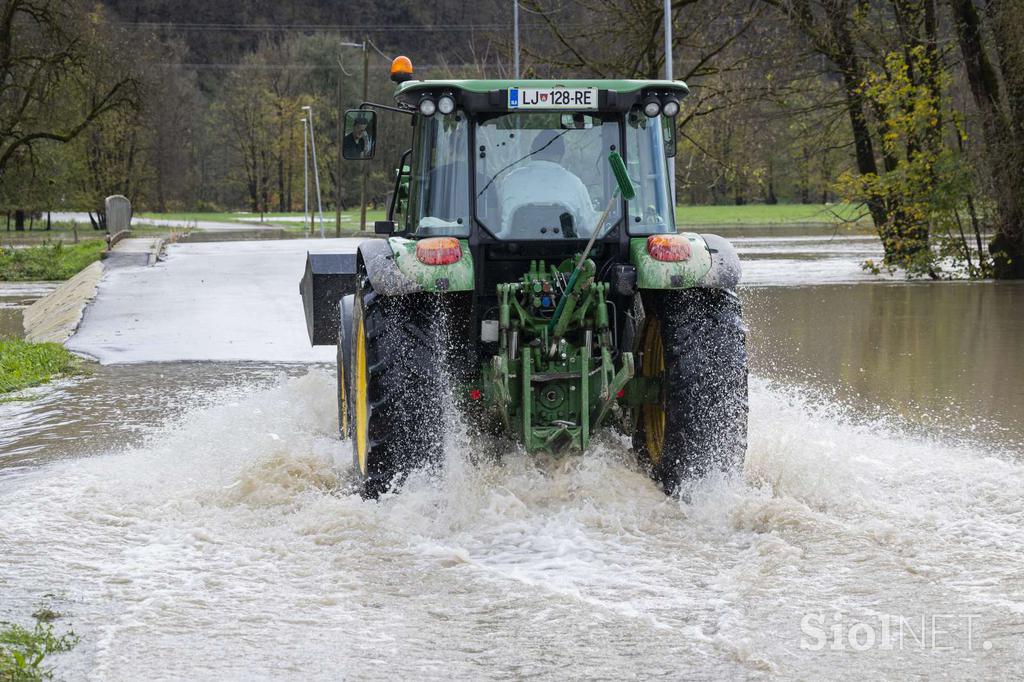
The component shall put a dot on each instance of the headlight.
(445, 104)
(427, 106)
(652, 107)
(670, 108)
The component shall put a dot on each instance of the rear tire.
(695, 342)
(399, 386)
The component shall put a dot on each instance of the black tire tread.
(704, 385)
(406, 385)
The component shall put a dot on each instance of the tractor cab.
(500, 161)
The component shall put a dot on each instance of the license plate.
(552, 98)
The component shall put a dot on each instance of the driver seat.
(541, 221)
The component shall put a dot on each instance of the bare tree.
(48, 59)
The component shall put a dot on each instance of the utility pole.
(668, 77)
(515, 37)
(366, 96)
(316, 169)
(337, 170)
(305, 178)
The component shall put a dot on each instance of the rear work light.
(427, 106)
(446, 104)
(668, 247)
(438, 251)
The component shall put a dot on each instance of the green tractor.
(530, 274)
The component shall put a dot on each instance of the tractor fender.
(387, 278)
(394, 269)
(713, 264)
(725, 269)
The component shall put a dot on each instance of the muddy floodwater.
(193, 521)
(14, 298)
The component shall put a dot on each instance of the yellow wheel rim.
(342, 398)
(653, 415)
(362, 396)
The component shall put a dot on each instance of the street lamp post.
(340, 133)
(362, 182)
(363, 175)
(515, 37)
(316, 171)
(305, 176)
(366, 96)
(668, 77)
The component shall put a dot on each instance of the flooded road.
(193, 519)
(944, 356)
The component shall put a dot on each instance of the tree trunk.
(805, 175)
(281, 205)
(844, 55)
(19, 220)
(832, 35)
(1002, 130)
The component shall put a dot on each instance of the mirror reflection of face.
(358, 142)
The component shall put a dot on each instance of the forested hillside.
(910, 108)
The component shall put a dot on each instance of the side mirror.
(360, 139)
(385, 227)
(668, 132)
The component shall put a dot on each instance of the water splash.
(230, 530)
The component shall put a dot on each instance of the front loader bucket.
(328, 277)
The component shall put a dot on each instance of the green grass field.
(765, 215)
(62, 232)
(293, 220)
(49, 261)
(752, 214)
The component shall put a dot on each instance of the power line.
(349, 28)
(378, 50)
(292, 67)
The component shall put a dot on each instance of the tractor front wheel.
(694, 343)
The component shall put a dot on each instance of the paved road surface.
(215, 301)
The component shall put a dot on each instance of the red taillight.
(668, 247)
(438, 251)
(475, 394)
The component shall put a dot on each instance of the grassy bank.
(24, 364)
(23, 652)
(349, 218)
(763, 214)
(62, 232)
(51, 261)
(751, 214)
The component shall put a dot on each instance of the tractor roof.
(488, 95)
(485, 86)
